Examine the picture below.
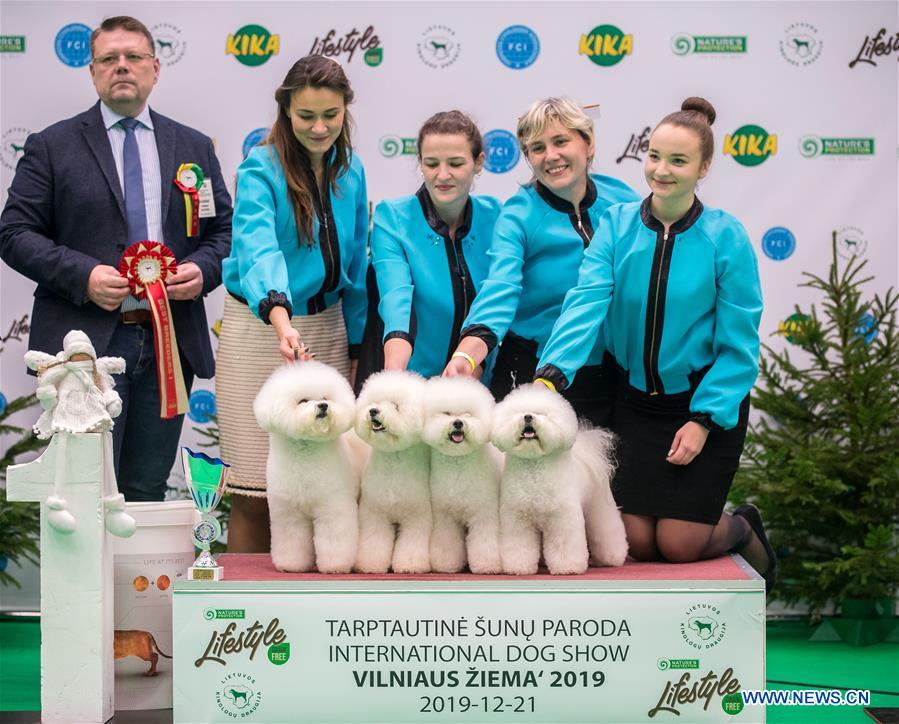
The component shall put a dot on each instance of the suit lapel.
(165, 147)
(98, 141)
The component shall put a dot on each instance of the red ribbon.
(146, 265)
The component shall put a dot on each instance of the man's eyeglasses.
(109, 60)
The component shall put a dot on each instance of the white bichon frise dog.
(465, 474)
(395, 506)
(555, 484)
(312, 471)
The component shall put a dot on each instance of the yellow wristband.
(466, 356)
(546, 382)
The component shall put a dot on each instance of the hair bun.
(700, 105)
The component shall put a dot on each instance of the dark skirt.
(645, 483)
(371, 351)
(592, 395)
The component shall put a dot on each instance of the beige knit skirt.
(247, 355)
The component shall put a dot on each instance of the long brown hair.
(315, 71)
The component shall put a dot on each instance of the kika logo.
(334, 46)
(636, 147)
(794, 328)
(778, 243)
(750, 145)
(606, 45)
(800, 44)
(168, 43)
(237, 695)
(12, 43)
(502, 151)
(685, 44)
(517, 47)
(851, 242)
(702, 627)
(875, 47)
(253, 139)
(73, 45)
(13, 146)
(814, 146)
(252, 45)
(438, 47)
(393, 146)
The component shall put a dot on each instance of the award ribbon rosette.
(146, 265)
(206, 479)
(189, 179)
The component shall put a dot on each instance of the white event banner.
(355, 651)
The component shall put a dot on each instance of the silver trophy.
(206, 479)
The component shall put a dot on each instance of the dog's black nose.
(457, 424)
(528, 419)
(322, 406)
(374, 412)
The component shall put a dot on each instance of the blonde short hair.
(566, 111)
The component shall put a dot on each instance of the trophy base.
(196, 573)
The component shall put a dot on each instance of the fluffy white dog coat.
(465, 475)
(555, 484)
(395, 506)
(312, 472)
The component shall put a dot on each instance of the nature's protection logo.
(606, 45)
(252, 45)
(665, 664)
(237, 695)
(502, 151)
(254, 138)
(851, 242)
(211, 614)
(12, 43)
(778, 243)
(73, 45)
(392, 146)
(517, 47)
(750, 145)
(686, 44)
(13, 146)
(702, 627)
(800, 44)
(201, 406)
(168, 44)
(438, 47)
(814, 146)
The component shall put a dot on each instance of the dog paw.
(567, 570)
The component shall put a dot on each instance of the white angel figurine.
(77, 392)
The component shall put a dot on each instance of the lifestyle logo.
(876, 47)
(677, 693)
(636, 147)
(438, 47)
(814, 146)
(252, 45)
(606, 45)
(237, 695)
(333, 46)
(800, 44)
(685, 44)
(750, 145)
(230, 641)
(13, 146)
(170, 47)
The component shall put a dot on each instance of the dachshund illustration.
(133, 642)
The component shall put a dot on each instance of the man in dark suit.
(84, 190)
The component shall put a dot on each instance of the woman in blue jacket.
(296, 274)
(429, 252)
(538, 245)
(677, 286)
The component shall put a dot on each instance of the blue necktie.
(135, 207)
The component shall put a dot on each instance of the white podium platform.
(646, 642)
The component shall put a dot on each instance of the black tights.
(680, 541)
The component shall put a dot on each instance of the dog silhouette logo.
(800, 44)
(438, 47)
(703, 626)
(238, 696)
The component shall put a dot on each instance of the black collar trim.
(438, 224)
(560, 204)
(679, 226)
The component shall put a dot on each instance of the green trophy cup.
(206, 479)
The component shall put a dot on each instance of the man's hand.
(186, 284)
(106, 287)
(687, 444)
